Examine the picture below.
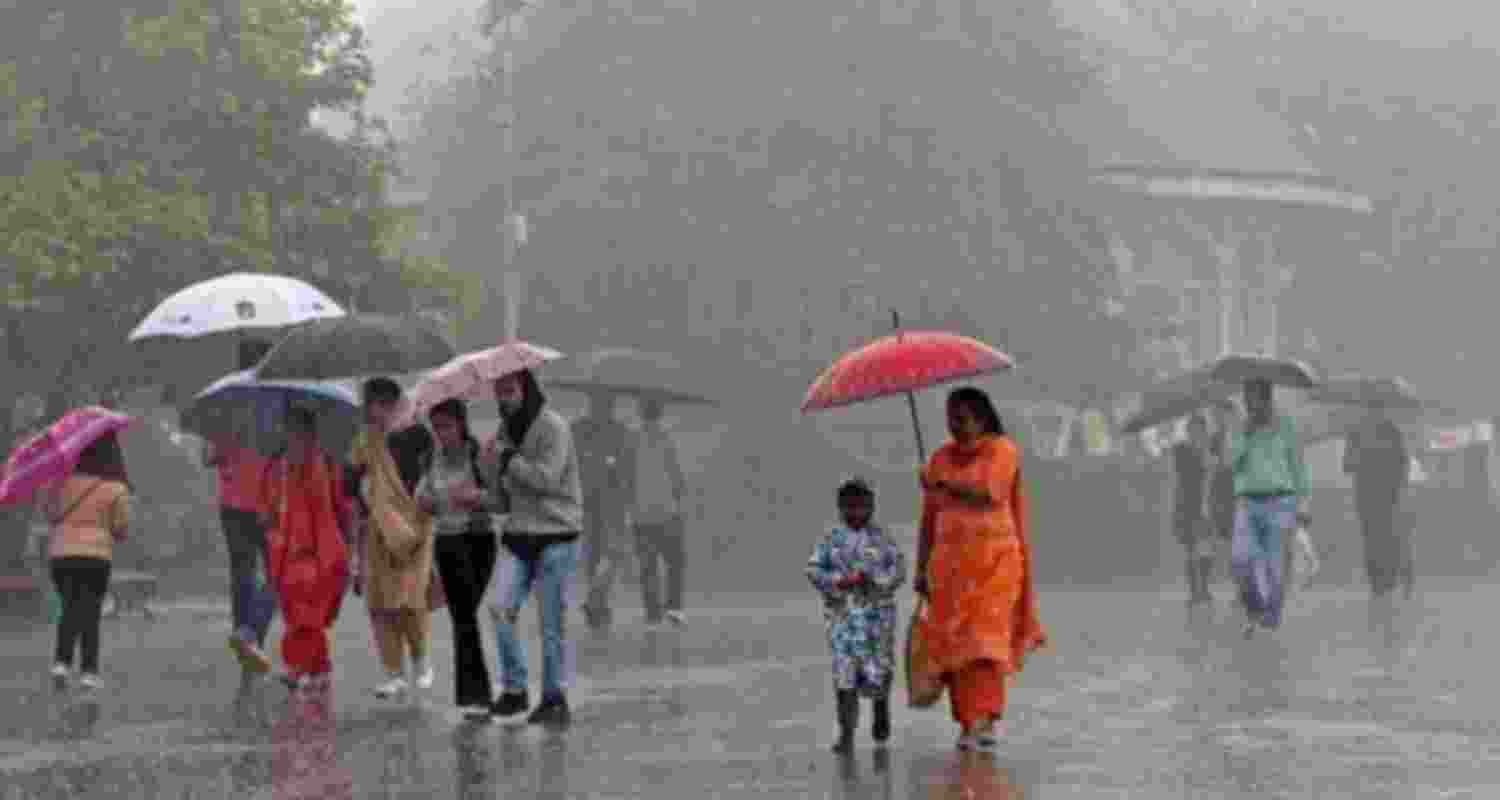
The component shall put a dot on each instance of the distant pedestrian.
(660, 526)
(307, 513)
(974, 566)
(533, 455)
(467, 510)
(396, 551)
(857, 568)
(606, 462)
(1270, 483)
(88, 513)
(240, 472)
(1222, 501)
(1377, 457)
(1192, 519)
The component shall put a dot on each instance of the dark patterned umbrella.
(1369, 391)
(1178, 397)
(1279, 371)
(357, 345)
(635, 373)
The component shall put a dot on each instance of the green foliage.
(147, 148)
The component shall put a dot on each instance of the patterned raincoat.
(861, 619)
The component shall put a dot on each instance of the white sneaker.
(677, 618)
(90, 682)
(395, 687)
(60, 675)
(425, 677)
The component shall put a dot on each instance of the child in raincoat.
(857, 568)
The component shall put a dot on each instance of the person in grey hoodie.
(533, 458)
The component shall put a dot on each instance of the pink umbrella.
(52, 454)
(470, 376)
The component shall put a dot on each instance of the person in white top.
(659, 525)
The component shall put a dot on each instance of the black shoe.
(509, 704)
(881, 728)
(552, 712)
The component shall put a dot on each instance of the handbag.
(924, 684)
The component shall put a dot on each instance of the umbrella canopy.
(236, 301)
(903, 363)
(53, 454)
(355, 345)
(470, 376)
(1369, 391)
(908, 361)
(1279, 371)
(253, 413)
(636, 373)
(1178, 397)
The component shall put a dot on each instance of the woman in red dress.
(307, 514)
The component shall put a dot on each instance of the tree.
(154, 145)
(793, 170)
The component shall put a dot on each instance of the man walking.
(532, 456)
(659, 524)
(1192, 520)
(1376, 456)
(240, 471)
(606, 461)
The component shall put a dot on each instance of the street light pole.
(514, 227)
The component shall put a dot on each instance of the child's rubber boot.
(880, 729)
(848, 711)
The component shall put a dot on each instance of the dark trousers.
(252, 602)
(663, 542)
(1387, 546)
(81, 585)
(465, 563)
(605, 523)
(1193, 534)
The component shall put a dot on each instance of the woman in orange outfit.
(307, 513)
(974, 566)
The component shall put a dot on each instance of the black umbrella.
(1368, 391)
(356, 345)
(1178, 397)
(1279, 371)
(633, 373)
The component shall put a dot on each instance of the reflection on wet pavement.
(1131, 701)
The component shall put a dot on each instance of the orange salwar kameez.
(982, 619)
(309, 559)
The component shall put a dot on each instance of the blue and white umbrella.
(253, 412)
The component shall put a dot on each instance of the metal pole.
(511, 279)
(911, 399)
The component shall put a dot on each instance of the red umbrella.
(52, 454)
(905, 362)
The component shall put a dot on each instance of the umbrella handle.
(916, 426)
(911, 400)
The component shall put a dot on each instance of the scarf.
(394, 515)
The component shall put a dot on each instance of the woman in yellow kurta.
(974, 566)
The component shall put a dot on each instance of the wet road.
(1127, 703)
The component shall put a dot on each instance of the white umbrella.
(233, 302)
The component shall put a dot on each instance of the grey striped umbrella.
(355, 346)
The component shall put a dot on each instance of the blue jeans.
(252, 602)
(1261, 525)
(553, 576)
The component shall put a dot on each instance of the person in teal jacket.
(1271, 491)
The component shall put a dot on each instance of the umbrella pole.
(911, 400)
